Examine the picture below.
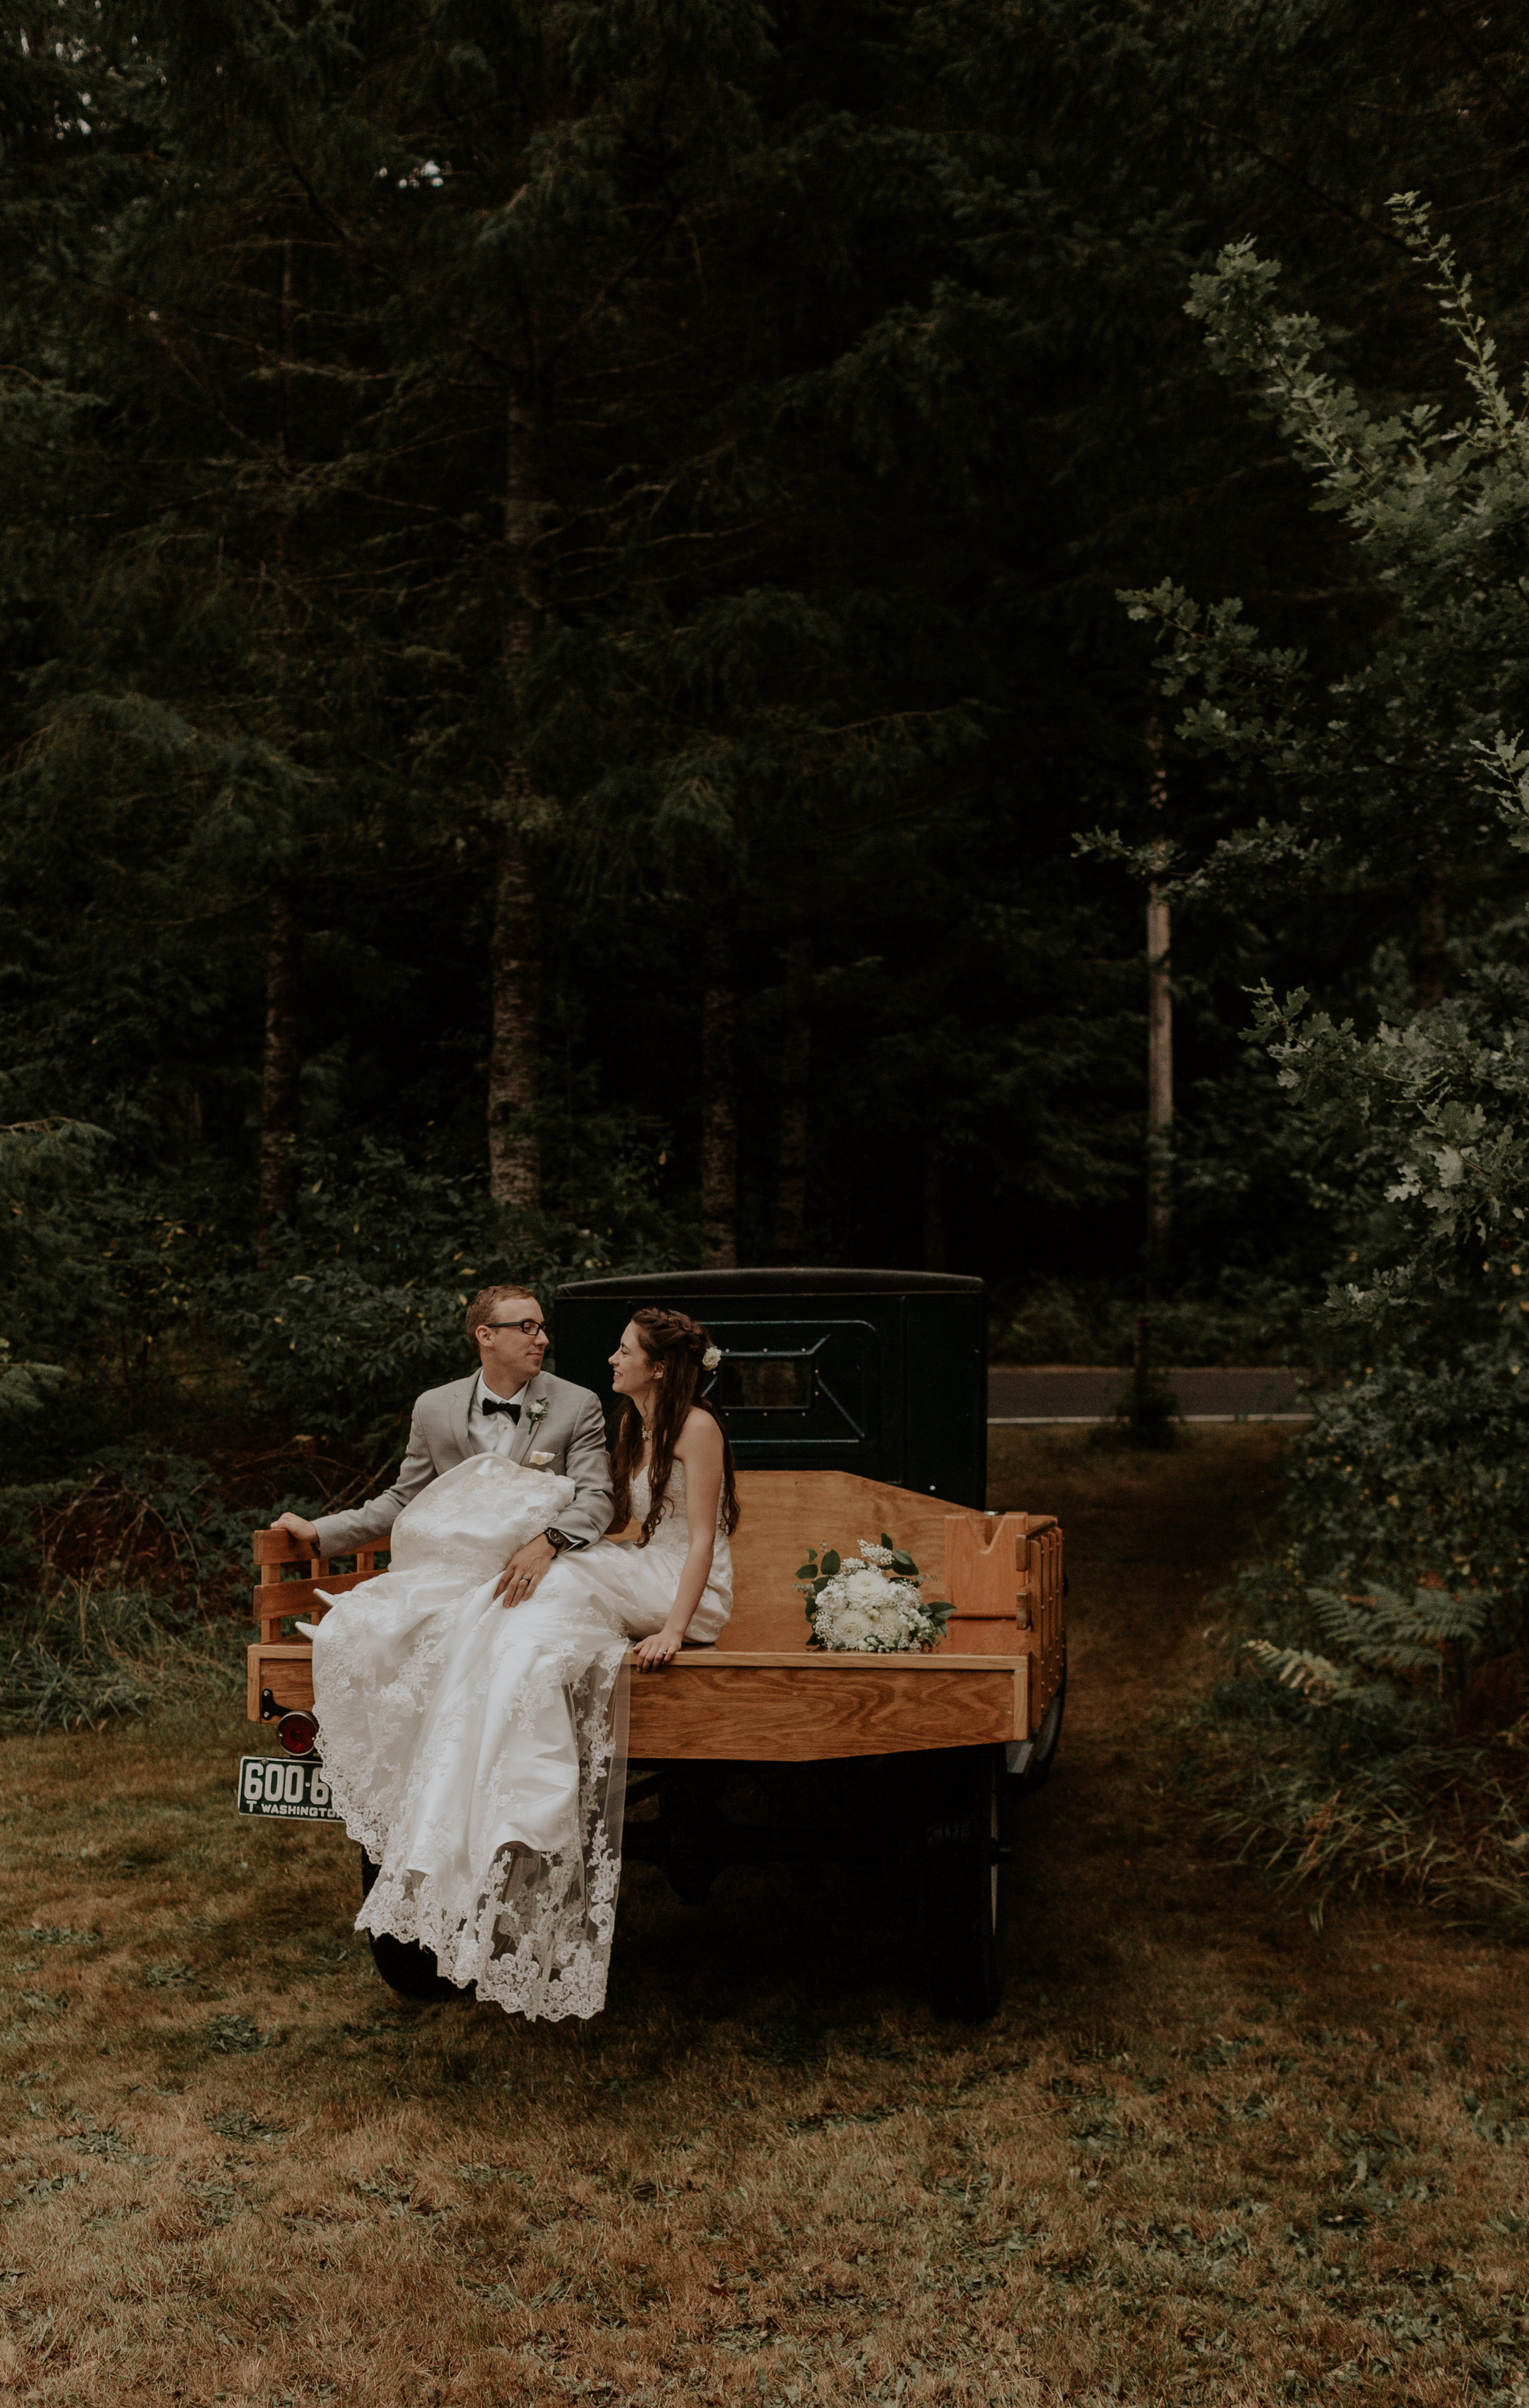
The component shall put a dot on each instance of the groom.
(510, 1407)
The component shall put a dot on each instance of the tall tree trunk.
(514, 958)
(514, 1153)
(718, 1105)
(1160, 1085)
(280, 1086)
(279, 1081)
(934, 1206)
(289, 335)
(796, 1062)
(1159, 1058)
(1430, 958)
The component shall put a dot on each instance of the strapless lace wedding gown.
(478, 1752)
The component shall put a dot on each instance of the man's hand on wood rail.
(306, 1531)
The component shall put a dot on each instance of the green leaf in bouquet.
(887, 1540)
(903, 1562)
(809, 1569)
(831, 1560)
(939, 1610)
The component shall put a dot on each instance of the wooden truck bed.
(765, 1696)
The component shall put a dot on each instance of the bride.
(473, 1724)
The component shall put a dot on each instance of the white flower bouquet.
(871, 1604)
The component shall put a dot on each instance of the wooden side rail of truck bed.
(764, 1695)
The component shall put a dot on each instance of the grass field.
(1205, 2154)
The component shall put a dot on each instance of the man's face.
(512, 1345)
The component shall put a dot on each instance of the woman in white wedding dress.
(477, 1749)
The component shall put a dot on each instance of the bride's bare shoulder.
(700, 1441)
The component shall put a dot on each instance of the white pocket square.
(540, 1454)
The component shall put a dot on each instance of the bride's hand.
(661, 1649)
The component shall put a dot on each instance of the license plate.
(274, 1785)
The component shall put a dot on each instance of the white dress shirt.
(491, 1433)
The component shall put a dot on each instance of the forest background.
(573, 576)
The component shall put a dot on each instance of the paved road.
(1078, 1393)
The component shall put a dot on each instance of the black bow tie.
(496, 1405)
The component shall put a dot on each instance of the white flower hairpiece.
(712, 1358)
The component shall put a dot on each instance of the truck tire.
(403, 1964)
(691, 1806)
(1036, 1770)
(962, 1862)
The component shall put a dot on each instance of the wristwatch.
(558, 1540)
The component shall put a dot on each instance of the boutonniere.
(537, 1413)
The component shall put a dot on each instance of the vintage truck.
(855, 1403)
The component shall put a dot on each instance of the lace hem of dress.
(538, 1943)
(533, 1930)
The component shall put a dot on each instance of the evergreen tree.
(1405, 1590)
(540, 538)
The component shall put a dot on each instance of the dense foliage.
(1397, 1618)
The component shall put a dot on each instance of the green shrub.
(1349, 1746)
(84, 1657)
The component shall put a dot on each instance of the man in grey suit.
(510, 1407)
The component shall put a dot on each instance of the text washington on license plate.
(274, 1785)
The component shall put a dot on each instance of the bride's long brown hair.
(674, 1345)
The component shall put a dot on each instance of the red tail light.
(298, 1733)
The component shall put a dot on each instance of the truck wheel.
(1036, 1770)
(403, 1964)
(691, 1807)
(963, 1880)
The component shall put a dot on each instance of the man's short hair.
(480, 1309)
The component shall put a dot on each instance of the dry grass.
(1206, 2154)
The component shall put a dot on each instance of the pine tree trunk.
(289, 327)
(514, 955)
(1160, 1056)
(515, 1153)
(1160, 1085)
(280, 1075)
(718, 1106)
(796, 1059)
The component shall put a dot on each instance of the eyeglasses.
(525, 1328)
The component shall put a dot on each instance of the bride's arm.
(700, 1449)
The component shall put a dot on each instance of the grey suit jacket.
(571, 1431)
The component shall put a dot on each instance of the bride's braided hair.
(676, 1344)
